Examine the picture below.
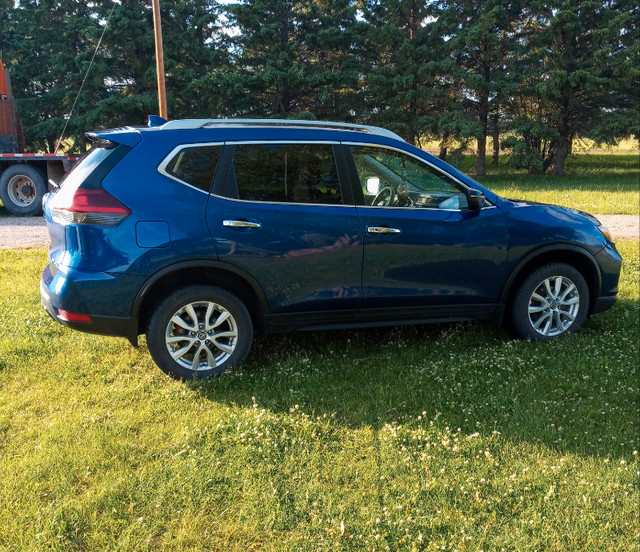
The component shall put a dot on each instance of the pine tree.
(405, 77)
(293, 58)
(190, 35)
(580, 79)
(480, 42)
(49, 41)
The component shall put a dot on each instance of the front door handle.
(240, 224)
(382, 230)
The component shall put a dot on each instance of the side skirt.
(327, 320)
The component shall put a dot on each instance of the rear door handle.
(382, 230)
(241, 224)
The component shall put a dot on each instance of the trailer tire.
(21, 190)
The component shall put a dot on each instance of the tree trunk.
(564, 133)
(547, 157)
(410, 136)
(560, 155)
(496, 139)
(481, 156)
(483, 115)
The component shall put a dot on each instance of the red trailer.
(24, 177)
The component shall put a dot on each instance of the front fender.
(559, 252)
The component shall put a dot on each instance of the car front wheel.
(553, 301)
(199, 332)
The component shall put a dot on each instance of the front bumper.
(604, 303)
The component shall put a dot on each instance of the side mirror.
(475, 199)
(373, 185)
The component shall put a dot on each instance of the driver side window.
(393, 179)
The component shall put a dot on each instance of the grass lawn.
(442, 437)
(604, 183)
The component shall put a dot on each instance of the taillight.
(94, 206)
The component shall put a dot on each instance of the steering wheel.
(386, 196)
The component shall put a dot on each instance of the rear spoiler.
(109, 139)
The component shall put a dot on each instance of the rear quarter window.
(195, 166)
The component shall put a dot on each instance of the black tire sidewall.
(35, 208)
(163, 313)
(520, 306)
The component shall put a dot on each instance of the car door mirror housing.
(373, 185)
(475, 198)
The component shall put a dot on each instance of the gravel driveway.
(32, 232)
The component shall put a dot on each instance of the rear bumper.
(121, 326)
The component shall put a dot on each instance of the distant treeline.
(527, 76)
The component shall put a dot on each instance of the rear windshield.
(85, 166)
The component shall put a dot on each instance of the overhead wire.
(73, 107)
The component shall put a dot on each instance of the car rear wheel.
(199, 332)
(553, 301)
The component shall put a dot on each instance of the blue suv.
(201, 232)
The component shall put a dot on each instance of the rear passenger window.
(195, 165)
(295, 173)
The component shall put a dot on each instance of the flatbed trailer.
(24, 177)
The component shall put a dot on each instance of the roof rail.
(185, 124)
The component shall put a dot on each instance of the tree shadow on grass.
(573, 395)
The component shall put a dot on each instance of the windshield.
(84, 167)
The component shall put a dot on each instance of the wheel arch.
(196, 272)
(573, 255)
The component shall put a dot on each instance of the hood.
(557, 210)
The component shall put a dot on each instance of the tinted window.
(85, 166)
(297, 173)
(195, 165)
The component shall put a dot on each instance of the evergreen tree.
(480, 42)
(615, 113)
(5, 25)
(51, 45)
(450, 69)
(580, 79)
(293, 58)
(48, 41)
(194, 52)
(127, 61)
(405, 79)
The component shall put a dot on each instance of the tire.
(553, 301)
(21, 190)
(183, 350)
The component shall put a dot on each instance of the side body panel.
(438, 257)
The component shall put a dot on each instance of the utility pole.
(157, 31)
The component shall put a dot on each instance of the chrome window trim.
(350, 205)
(167, 159)
(162, 167)
(422, 208)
